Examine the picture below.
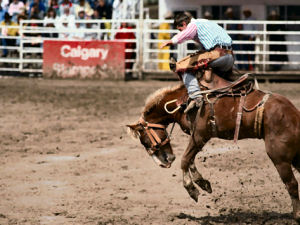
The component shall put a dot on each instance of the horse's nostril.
(171, 158)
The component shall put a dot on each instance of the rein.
(156, 141)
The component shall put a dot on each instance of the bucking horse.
(231, 110)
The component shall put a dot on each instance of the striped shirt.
(206, 32)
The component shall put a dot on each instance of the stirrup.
(197, 102)
(190, 106)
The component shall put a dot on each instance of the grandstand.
(275, 43)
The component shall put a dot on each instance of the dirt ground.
(66, 158)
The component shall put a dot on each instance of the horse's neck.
(215, 82)
(170, 101)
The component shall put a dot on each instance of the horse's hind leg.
(284, 169)
(198, 179)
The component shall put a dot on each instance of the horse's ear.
(133, 130)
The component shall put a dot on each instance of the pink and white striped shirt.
(206, 32)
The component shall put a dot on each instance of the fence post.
(257, 50)
(21, 46)
(140, 40)
(264, 46)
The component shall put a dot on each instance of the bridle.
(156, 142)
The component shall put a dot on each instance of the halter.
(156, 142)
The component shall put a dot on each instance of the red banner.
(84, 59)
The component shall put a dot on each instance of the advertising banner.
(84, 59)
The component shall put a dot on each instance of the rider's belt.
(223, 51)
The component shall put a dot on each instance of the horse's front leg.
(189, 185)
(186, 162)
(198, 179)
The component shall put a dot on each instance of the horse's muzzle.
(164, 160)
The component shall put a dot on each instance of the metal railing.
(274, 48)
(25, 53)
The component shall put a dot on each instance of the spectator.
(118, 8)
(55, 6)
(77, 35)
(2, 11)
(68, 16)
(4, 4)
(128, 45)
(164, 36)
(23, 12)
(66, 4)
(207, 15)
(8, 32)
(65, 23)
(85, 7)
(15, 8)
(229, 15)
(51, 21)
(81, 16)
(35, 12)
(63, 26)
(104, 10)
(41, 8)
(248, 37)
(276, 37)
(95, 15)
(20, 18)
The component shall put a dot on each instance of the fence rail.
(274, 46)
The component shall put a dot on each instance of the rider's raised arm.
(188, 34)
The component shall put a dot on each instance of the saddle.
(219, 86)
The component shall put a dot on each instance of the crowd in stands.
(39, 9)
(65, 14)
(62, 15)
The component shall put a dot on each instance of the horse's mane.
(155, 98)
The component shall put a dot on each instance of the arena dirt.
(66, 158)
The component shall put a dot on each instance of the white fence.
(273, 48)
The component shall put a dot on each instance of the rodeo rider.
(217, 55)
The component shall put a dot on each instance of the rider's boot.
(196, 101)
(193, 89)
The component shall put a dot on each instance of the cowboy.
(213, 39)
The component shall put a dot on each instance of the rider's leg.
(191, 83)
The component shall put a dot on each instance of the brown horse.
(279, 126)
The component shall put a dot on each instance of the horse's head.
(151, 127)
(156, 141)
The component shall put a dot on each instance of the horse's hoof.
(296, 210)
(204, 185)
(193, 191)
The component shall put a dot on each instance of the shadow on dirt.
(240, 217)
